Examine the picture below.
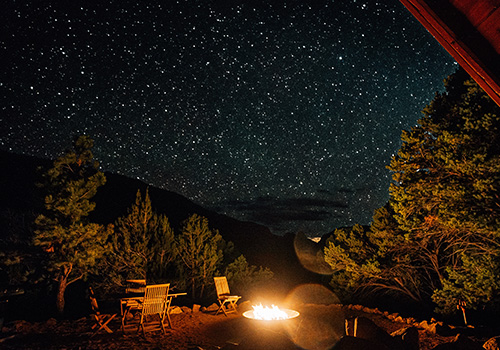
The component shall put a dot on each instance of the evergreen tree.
(439, 238)
(371, 261)
(246, 278)
(200, 253)
(73, 244)
(143, 243)
(445, 194)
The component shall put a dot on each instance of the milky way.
(284, 113)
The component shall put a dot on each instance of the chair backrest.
(221, 286)
(155, 298)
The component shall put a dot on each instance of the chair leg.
(103, 324)
(233, 306)
(167, 314)
(221, 308)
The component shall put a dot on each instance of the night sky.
(284, 113)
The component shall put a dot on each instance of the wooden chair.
(154, 308)
(227, 302)
(101, 320)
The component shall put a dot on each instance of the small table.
(128, 305)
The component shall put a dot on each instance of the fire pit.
(273, 313)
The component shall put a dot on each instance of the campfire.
(273, 313)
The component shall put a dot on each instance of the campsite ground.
(318, 327)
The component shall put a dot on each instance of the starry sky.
(284, 113)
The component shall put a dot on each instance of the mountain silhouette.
(20, 173)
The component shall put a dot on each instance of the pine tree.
(74, 245)
(445, 194)
(439, 238)
(199, 251)
(244, 278)
(143, 243)
(371, 261)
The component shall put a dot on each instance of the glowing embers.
(273, 313)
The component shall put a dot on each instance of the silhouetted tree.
(72, 243)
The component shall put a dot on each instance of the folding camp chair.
(101, 320)
(227, 302)
(154, 308)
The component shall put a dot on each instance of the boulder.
(461, 342)
(408, 336)
(186, 309)
(213, 307)
(352, 343)
(175, 310)
(364, 328)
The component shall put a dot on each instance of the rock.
(411, 320)
(22, 326)
(461, 342)
(424, 325)
(51, 322)
(436, 328)
(196, 307)
(492, 344)
(186, 309)
(399, 319)
(368, 310)
(362, 327)
(175, 310)
(352, 343)
(213, 307)
(409, 336)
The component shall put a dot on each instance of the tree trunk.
(193, 290)
(60, 301)
(63, 283)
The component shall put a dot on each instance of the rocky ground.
(318, 327)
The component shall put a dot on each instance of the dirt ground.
(318, 327)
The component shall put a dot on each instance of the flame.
(268, 313)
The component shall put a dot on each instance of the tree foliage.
(200, 253)
(440, 236)
(446, 193)
(245, 277)
(143, 243)
(72, 243)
